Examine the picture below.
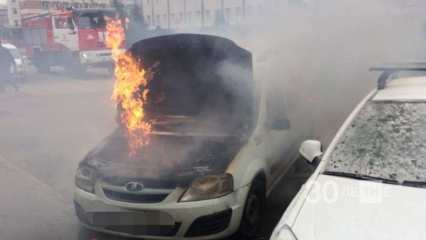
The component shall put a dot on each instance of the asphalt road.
(46, 129)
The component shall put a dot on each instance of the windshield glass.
(186, 99)
(92, 20)
(178, 102)
(191, 91)
(386, 140)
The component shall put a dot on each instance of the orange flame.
(130, 91)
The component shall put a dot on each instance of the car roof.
(403, 89)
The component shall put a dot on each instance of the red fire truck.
(73, 39)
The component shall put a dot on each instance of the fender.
(246, 166)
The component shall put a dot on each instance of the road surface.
(46, 130)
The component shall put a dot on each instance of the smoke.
(318, 54)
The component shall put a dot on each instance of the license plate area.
(140, 218)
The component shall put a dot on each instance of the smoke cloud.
(318, 53)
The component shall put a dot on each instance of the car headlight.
(209, 187)
(84, 55)
(85, 178)
(284, 233)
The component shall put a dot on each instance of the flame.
(130, 92)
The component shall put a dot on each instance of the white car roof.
(8, 46)
(403, 89)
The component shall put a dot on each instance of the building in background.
(19, 9)
(4, 20)
(165, 14)
(180, 14)
(14, 15)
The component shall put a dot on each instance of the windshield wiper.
(418, 184)
(363, 177)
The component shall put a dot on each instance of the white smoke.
(320, 52)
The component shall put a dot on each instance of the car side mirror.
(279, 124)
(311, 150)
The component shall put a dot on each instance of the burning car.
(204, 154)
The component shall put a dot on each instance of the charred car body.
(213, 155)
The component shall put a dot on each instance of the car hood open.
(201, 96)
(342, 208)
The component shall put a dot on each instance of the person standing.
(7, 64)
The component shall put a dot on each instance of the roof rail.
(391, 68)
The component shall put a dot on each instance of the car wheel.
(43, 67)
(253, 210)
(41, 62)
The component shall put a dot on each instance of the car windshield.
(387, 140)
(183, 104)
(193, 92)
(92, 20)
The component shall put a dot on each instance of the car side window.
(61, 23)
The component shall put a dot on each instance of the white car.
(18, 70)
(370, 183)
(219, 145)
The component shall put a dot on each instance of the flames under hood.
(201, 106)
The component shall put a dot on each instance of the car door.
(279, 138)
(64, 32)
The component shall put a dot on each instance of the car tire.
(41, 62)
(253, 210)
(43, 67)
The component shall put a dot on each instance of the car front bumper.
(96, 57)
(209, 219)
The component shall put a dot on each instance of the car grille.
(210, 224)
(134, 198)
(148, 183)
